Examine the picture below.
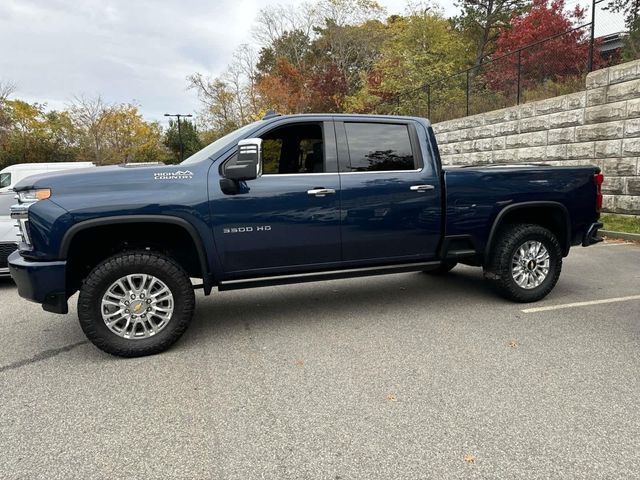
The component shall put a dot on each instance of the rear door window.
(375, 147)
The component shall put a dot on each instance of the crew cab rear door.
(390, 195)
(288, 219)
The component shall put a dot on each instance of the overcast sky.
(133, 50)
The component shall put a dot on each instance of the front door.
(288, 219)
(390, 195)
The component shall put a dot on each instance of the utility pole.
(179, 116)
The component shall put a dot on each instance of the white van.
(8, 232)
(11, 175)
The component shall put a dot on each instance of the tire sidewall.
(103, 276)
(507, 285)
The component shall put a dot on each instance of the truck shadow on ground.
(341, 299)
(7, 284)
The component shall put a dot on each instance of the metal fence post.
(519, 75)
(468, 92)
(428, 101)
(592, 34)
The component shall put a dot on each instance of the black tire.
(118, 266)
(442, 269)
(499, 272)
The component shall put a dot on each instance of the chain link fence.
(554, 66)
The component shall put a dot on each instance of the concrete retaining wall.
(598, 126)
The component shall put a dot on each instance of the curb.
(632, 237)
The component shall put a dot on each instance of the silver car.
(8, 231)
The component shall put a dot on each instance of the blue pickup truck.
(288, 199)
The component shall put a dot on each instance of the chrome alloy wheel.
(137, 306)
(530, 264)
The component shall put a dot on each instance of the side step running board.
(328, 275)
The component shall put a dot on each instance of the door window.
(377, 147)
(293, 149)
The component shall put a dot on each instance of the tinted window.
(293, 149)
(377, 147)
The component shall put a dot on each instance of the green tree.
(190, 139)
(420, 48)
(631, 49)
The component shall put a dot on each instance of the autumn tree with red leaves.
(563, 56)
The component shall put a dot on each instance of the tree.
(128, 138)
(631, 49)
(33, 135)
(285, 89)
(6, 89)
(630, 9)
(631, 12)
(220, 103)
(89, 115)
(483, 20)
(190, 139)
(419, 48)
(563, 56)
(293, 46)
(342, 52)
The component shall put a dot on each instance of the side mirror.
(247, 164)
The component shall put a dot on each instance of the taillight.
(598, 178)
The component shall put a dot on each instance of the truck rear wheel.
(135, 304)
(525, 263)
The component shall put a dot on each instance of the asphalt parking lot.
(403, 376)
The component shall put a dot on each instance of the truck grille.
(6, 249)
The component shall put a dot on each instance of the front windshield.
(222, 142)
(5, 179)
(6, 200)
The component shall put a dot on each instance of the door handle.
(421, 188)
(321, 192)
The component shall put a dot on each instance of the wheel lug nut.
(148, 300)
(126, 302)
(133, 297)
(126, 311)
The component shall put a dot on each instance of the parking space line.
(581, 304)
(614, 244)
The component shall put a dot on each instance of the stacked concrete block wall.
(598, 126)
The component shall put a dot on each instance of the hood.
(105, 178)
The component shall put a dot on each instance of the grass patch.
(621, 223)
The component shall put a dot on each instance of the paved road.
(403, 376)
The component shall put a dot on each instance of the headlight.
(31, 196)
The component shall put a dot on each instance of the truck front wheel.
(525, 263)
(135, 304)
